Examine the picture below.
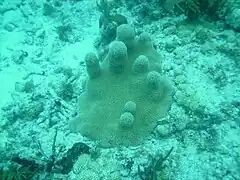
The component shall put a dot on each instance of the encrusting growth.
(141, 64)
(117, 56)
(125, 94)
(93, 67)
(130, 106)
(126, 120)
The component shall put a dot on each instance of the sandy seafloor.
(36, 68)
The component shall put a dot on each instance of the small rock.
(9, 27)
(163, 130)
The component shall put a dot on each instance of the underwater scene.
(120, 90)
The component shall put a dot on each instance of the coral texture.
(124, 95)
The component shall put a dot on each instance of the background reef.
(43, 69)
